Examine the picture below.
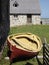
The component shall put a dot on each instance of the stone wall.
(45, 21)
(36, 19)
(18, 20)
(22, 20)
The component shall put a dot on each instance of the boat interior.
(28, 42)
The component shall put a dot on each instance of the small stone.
(7, 58)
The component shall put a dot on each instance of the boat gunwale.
(16, 44)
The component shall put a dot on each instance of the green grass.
(40, 30)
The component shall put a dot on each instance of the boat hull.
(23, 45)
(17, 53)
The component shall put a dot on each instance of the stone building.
(24, 12)
(45, 21)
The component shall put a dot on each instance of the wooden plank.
(47, 54)
(47, 46)
(46, 58)
(46, 61)
(46, 49)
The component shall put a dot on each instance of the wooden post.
(4, 21)
(43, 52)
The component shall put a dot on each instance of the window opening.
(15, 4)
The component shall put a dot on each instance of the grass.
(40, 30)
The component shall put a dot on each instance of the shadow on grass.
(22, 58)
(28, 63)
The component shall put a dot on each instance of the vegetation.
(41, 30)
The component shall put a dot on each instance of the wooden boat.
(24, 44)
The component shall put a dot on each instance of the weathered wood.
(45, 54)
(4, 21)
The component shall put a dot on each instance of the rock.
(7, 58)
